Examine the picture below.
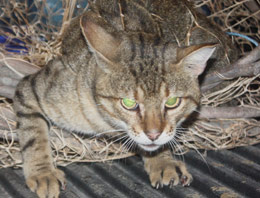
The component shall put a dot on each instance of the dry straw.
(38, 27)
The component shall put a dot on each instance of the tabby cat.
(129, 65)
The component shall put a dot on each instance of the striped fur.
(118, 49)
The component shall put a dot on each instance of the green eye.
(172, 102)
(129, 104)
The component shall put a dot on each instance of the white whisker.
(172, 145)
(178, 148)
(127, 140)
(181, 129)
(110, 131)
(130, 145)
(203, 158)
(120, 138)
(116, 136)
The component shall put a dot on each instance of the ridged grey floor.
(228, 174)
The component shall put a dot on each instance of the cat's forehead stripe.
(155, 44)
(141, 66)
(133, 50)
(141, 39)
(163, 50)
(157, 40)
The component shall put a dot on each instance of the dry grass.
(41, 43)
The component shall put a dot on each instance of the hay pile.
(36, 27)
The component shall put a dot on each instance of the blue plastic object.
(13, 45)
(243, 36)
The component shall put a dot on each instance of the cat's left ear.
(100, 36)
(194, 58)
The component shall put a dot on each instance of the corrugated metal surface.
(227, 174)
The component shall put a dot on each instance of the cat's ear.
(100, 36)
(194, 58)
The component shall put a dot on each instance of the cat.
(125, 65)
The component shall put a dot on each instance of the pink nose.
(153, 135)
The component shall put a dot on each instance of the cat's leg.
(32, 128)
(164, 170)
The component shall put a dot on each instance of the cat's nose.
(153, 135)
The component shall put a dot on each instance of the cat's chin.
(149, 147)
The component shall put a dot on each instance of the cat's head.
(145, 85)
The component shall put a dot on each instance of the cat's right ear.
(194, 58)
(100, 37)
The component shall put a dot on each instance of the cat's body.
(124, 66)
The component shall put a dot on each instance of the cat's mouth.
(149, 147)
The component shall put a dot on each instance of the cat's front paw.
(47, 184)
(168, 172)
